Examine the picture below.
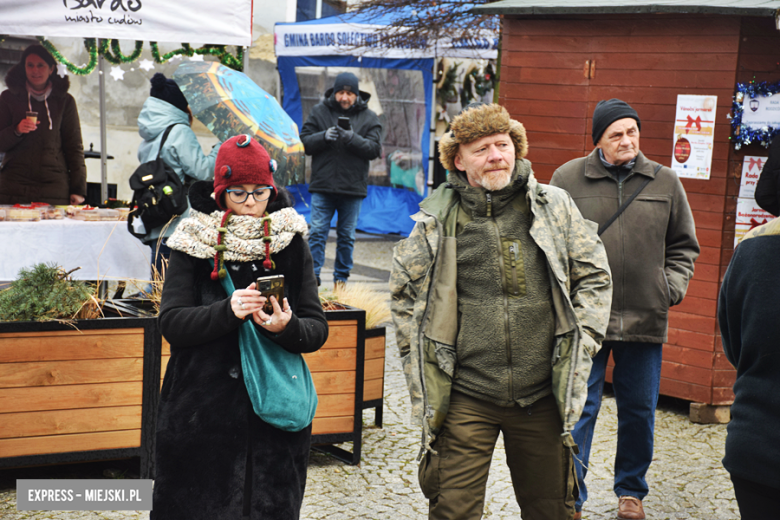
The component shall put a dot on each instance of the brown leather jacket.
(651, 247)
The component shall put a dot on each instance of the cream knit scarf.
(197, 234)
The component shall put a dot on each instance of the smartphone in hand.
(271, 286)
(344, 123)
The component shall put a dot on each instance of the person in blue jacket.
(167, 106)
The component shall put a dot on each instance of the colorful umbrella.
(229, 104)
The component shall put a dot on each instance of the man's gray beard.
(495, 181)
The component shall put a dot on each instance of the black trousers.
(756, 501)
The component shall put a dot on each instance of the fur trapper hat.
(476, 121)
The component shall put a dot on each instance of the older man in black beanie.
(648, 231)
(342, 135)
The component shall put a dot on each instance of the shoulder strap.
(628, 201)
(164, 137)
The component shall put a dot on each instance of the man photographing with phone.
(342, 135)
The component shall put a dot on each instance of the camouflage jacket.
(423, 282)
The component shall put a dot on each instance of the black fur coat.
(215, 459)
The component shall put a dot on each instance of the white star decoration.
(62, 70)
(196, 57)
(146, 64)
(117, 73)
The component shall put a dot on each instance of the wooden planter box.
(338, 371)
(374, 372)
(74, 395)
(91, 393)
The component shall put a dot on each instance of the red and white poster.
(694, 131)
(751, 171)
(749, 214)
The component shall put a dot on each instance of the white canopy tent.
(217, 23)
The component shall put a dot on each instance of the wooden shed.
(560, 57)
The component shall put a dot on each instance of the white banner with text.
(178, 21)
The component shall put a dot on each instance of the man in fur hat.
(651, 247)
(528, 280)
(339, 168)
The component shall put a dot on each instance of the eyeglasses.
(241, 196)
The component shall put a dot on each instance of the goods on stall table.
(93, 214)
(22, 213)
(53, 213)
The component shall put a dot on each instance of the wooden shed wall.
(553, 72)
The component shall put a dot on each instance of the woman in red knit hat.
(215, 456)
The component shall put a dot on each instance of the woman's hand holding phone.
(250, 301)
(277, 321)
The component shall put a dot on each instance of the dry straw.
(361, 296)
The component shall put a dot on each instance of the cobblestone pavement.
(687, 480)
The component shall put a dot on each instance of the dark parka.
(747, 313)
(43, 165)
(339, 168)
(209, 441)
(768, 188)
(651, 246)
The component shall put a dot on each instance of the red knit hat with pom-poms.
(242, 160)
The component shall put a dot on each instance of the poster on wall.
(749, 214)
(751, 171)
(755, 113)
(694, 132)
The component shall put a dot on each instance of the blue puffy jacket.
(182, 151)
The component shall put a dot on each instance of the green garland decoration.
(117, 57)
(220, 51)
(92, 50)
(112, 52)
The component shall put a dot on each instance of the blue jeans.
(636, 379)
(323, 206)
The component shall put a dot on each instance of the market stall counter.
(103, 250)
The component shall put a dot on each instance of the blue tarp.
(385, 210)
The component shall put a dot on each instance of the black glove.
(345, 135)
(331, 134)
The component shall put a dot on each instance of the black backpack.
(158, 194)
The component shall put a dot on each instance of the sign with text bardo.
(218, 23)
(694, 133)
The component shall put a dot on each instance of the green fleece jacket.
(423, 286)
(505, 309)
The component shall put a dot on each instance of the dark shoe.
(577, 515)
(339, 285)
(630, 508)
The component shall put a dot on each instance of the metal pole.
(432, 128)
(246, 61)
(318, 10)
(103, 151)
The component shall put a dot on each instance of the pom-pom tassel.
(219, 257)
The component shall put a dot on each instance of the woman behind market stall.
(216, 458)
(181, 151)
(40, 135)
